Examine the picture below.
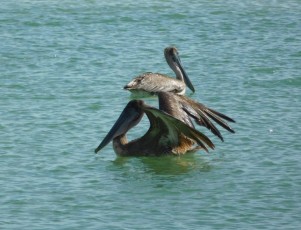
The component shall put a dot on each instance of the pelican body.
(151, 83)
(171, 130)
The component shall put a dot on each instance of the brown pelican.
(167, 134)
(151, 83)
(171, 130)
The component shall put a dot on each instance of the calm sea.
(62, 68)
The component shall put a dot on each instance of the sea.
(63, 65)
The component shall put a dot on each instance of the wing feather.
(174, 127)
(202, 115)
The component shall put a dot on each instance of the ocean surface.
(63, 65)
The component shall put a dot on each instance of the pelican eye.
(138, 80)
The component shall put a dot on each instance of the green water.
(62, 68)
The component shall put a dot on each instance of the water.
(63, 65)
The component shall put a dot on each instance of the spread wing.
(203, 115)
(185, 109)
(168, 130)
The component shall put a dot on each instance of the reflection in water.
(168, 165)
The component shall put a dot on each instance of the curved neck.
(178, 72)
(175, 67)
(133, 148)
(119, 145)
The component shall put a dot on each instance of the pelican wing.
(203, 115)
(169, 103)
(169, 129)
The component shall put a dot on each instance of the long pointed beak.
(117, 129)
(184, 74)
(127, 119)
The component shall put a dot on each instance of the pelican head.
(130, 117)
(141, 85)
(173, 59)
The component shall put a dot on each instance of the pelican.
(168, 134)
(171, 130)
(152, 83)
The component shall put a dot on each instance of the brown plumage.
(200, 113)
(167, 134)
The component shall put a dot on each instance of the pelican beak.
(178, 63)
(134, 84)
(128, 86)
(129, 117)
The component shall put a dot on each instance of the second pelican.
(152, 83)
(168, 133)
